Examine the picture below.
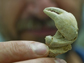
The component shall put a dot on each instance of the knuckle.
(17, 48)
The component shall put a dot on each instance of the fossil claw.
(67, 29)
(64, 21)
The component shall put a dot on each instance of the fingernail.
(40, 48)
(60, 61)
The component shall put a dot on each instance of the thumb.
(21, 50)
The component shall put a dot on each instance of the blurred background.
(25, 20)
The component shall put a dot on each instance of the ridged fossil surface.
(66, 34)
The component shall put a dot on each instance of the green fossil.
(66, 34)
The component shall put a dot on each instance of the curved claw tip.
(53, 10)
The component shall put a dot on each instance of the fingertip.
(40, 49)
(60, 61)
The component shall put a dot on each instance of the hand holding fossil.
(67, 31)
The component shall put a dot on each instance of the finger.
(43, 60)
(21, 50)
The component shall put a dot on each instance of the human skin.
(11, 12)
(25, 52)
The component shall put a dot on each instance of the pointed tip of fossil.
(54, 12)
(54, 9)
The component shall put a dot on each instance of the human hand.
(31, 51)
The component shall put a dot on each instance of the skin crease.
(14, 10)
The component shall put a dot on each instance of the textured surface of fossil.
(66, 34)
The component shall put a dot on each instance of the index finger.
(14, 51)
